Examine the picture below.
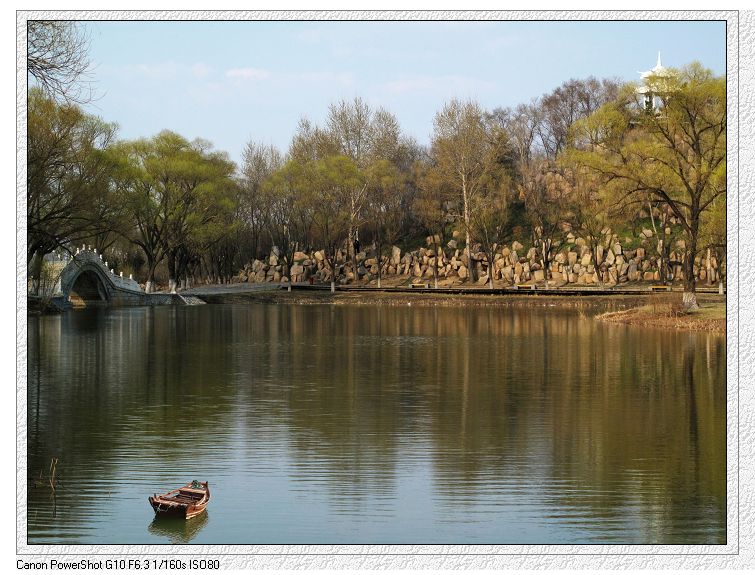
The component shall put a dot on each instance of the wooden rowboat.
(185, 502)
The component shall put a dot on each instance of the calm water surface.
(375, 424)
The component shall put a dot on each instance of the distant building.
(654, 84)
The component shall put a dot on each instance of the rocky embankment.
(614, 262)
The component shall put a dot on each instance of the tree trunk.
(468, 239)
(544, 252)
(149, 287)
(435, 268)
(379, 248)
(708, 269)
(172, 271)
(689, 298)
(491, 269)
(35, 271)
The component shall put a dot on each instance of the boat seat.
(191, 491)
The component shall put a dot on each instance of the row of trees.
(586, 156)
(171, 199)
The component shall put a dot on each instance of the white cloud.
(248, 73)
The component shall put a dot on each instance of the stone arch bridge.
(85, 279)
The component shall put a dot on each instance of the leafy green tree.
(383, 209)
(287, 216)
(325, 190)
(490, 221)
(210, 230)
(586, 207)
(69, 196)
(172, 188)
(713, 236)
(675, 154)
(429, 205)
(546, 201)
(312, 143)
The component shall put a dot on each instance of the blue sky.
(230, 82)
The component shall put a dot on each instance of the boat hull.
(183, 511)
(185, 502)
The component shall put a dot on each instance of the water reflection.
(382, 424)
(178, 531)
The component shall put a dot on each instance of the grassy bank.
(669, 314)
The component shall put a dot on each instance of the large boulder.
(395, 255)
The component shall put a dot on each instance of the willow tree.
(69, 197)
(287, 204)
(171, 187)
(674, 152)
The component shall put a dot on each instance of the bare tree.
(260, 161)
(58, 59)
(462, 155)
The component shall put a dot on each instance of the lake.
(350, 424)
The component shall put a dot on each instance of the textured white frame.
(738, 551)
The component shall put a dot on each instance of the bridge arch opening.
(88, 290)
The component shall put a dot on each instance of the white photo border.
(740, 34)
